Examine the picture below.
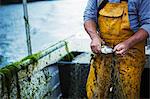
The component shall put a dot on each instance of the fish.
(106, 49)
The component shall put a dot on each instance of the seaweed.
(70, 56)
(8, 71)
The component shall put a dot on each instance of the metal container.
(73, 75)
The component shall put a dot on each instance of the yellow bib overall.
(115, 76)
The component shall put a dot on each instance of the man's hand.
(121, 48)
(140, 36)
(96, 45)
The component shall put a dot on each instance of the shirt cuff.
(87, 18)
(146, 27)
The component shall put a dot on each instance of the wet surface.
(50, 22)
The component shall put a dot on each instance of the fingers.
(121, 52)
(102, 41)
(117, 48)
(120, 49)
(96, 48)
(96, 45)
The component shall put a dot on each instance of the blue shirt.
(139, 13)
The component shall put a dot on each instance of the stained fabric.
(114, 76)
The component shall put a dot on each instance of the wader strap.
(102, 5)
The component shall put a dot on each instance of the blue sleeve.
(90, 11)
(144, 14)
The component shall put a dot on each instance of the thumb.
(115, 48)
(102, 41)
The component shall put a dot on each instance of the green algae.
(33, 58)
(7, 75)
(15, 67)
(8, 71)
(70, 56)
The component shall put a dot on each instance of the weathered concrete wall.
(35, 77)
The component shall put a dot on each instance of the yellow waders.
(119, 75)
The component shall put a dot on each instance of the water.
(50, 22)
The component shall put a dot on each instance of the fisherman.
(123, 25)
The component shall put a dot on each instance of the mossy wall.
(34, 77)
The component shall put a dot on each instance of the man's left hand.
(121, 48)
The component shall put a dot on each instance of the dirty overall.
(113, 76)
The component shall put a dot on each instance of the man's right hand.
(96, 45)
(90, 27)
